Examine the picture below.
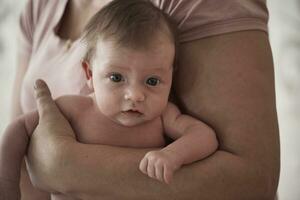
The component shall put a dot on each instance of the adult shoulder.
(198, 19)
(30, 18)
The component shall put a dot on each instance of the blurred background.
(284, 32)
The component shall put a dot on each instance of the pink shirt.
(58, 63)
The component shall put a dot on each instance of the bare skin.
(237, 99)
(86, 120)
(231, 172)
(76, 15)
(128, 108)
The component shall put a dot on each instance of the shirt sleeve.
(197, 19)
(27, 23)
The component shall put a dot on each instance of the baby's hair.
(128, 23)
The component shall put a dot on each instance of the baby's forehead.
(157, 40)
(143, 68)
(156, 57)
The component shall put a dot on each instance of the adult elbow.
(264, 180)
(269, 183)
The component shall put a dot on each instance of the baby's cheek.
(107, 103)
(158, 106)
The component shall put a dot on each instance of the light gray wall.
(285, 39)
(9, 14)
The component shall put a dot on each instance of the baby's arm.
(14, 142)
(194, 141)
(13, 147)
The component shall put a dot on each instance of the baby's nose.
(135, 94)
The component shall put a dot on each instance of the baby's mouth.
(132, 112)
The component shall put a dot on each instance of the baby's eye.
(152, 81)
(116, 77)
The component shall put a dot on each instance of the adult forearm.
(112, 173)
(97, 169)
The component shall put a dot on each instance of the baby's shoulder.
(171, 110)
(73, 105)
(74, 99)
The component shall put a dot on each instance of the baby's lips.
(133, 111)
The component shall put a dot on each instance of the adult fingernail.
(38, 83)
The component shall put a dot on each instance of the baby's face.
(132, 86)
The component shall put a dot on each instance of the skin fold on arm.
(227, 81)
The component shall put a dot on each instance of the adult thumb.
(45, 104)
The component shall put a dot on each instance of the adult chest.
(55, 60)
(59, 67)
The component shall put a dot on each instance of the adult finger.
(45, 103)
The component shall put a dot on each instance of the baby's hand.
(160, 165)
(9, 190)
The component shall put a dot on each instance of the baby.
(129, 67)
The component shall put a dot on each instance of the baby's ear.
(87, 69)
(88, 73)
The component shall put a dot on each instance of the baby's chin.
(131, 121)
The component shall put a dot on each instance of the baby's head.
(129, 60)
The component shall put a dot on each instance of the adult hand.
(48, 140)
(51, 121)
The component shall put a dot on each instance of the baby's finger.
(168, 175)
(150, 169)
(143, 165)
(159, 172)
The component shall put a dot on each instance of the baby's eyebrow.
(154, 69)
(117, 67)
(162, 69)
